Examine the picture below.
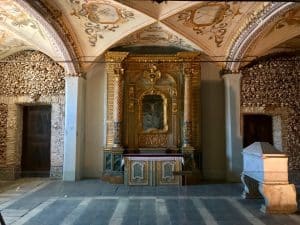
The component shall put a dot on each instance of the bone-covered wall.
(272, 86)
(29, 78)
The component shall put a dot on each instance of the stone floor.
(93, 202)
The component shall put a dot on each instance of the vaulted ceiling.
(82, 30)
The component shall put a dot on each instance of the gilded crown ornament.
(153, 74)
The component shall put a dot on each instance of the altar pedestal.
(152, 169)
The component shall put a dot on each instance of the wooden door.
(36, 140)
(257, 128)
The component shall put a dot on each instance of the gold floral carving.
(102, 17)
(153, 140)
(211, 19)
(153, 74)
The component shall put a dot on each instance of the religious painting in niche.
(153, 112)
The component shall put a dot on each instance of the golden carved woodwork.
(157, 75)
(113, 65)
(148, 172)
(153, 74)
(153, 140)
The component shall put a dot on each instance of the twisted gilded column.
(187, 114)
(118, 107)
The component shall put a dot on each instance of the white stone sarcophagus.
(265, 174)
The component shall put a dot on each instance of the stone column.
(118, 107)
(74, 127)
(233, 127)
(187, 114)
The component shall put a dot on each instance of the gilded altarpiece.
(148, 93)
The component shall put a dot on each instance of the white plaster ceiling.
(94, 26)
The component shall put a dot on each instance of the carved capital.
(116, 56)
(188, 72)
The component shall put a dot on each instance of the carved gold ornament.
(153, 140)
(153, 74)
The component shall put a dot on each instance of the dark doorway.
(257, 128)
(36, 140)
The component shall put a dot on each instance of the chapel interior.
(146, 92)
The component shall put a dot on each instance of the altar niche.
(151, 113)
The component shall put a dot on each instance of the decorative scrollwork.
(153, 74)
(153, 140)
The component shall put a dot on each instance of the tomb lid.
(262, 148)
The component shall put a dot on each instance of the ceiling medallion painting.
(12, 14)
(210, 19)
(102, 17)
(155, 34)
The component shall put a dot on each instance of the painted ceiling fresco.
(158, 34)
(278, 33)
(9, 44)
(19, 30)
(212, 25)
(97, 25)
(94, 26)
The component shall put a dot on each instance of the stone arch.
(57, 42)
(253, 30)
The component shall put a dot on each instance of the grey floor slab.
(98, 212)
(54, 213)
(94, 202)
